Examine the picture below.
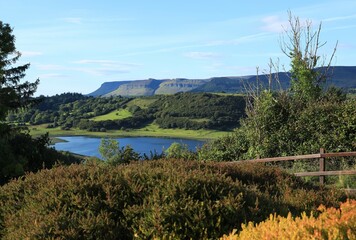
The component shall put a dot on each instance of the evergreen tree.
(13, 93)
(19, 152)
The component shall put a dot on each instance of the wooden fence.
(321, 156)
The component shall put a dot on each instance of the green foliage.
(114, 115)
(67, 109)
(228, 148)
(179, 151)
(110, 150)
(19, 152)
(181, 109)
(13, 93)
(308, 116)
(151, 199)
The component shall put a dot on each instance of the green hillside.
(114, 115)
(199, 110)
(185, 111)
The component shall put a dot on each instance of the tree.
(308, 116)
(177, 150)
(111, 152)
(273, 116)
(13, 94)
(302, 47)
(19, 152)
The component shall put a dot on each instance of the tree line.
(182, 110)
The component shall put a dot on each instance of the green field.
(200, 120)
(150, 130)
(114, 115)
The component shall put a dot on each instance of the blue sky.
(76, 45)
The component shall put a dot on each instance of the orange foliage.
(330, 224)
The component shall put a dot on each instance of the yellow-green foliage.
(142, 102)
(151, 199)
(332, 223)
(114, 115)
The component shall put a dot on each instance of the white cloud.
(30, 54)
(50, 67)
(239, 40)
(243, 70)
(202, 55)
(105, 67)
(342, 27)
(333, 19)
(103, 71)
(52, 75)
(74, 20)
(274, 24)
(346, 46)
(106, 63)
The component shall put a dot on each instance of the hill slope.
(136, 88)
(107, 87)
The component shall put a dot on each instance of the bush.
(330, 224)
(113, 154)
(150, 199)
(179, 151)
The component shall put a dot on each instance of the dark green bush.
(150, 199)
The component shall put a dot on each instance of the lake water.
(89, 146)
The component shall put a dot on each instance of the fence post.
(322, 166)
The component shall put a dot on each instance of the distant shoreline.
(56, 133)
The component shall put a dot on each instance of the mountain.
(240, 84)
(147, 87)
(107, 87)
(136, 88)
(179, 85)
(343, 77)
(340, 76)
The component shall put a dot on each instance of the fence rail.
(321, 156)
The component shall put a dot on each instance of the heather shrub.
(289, 193)
(151, 199)
(332, 223)
(76, 202)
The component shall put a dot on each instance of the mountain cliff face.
(136, 88)
(341, 76)
(107, 87)
(179, 85)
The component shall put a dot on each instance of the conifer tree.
(13, 93)
(16, 147)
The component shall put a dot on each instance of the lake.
(89, 146)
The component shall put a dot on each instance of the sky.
(76, 45)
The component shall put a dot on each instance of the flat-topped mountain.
(340, 76)
(136, 88)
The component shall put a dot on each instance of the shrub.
(150, 199)
(330, 224)
(113, 154)
(179, 151)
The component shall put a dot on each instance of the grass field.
(114, 115)
(150, 130)
(200, 120)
